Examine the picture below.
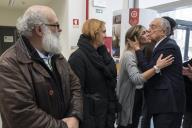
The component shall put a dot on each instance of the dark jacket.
(164, 92)
(188, 89)
(30, 97)
(97, 73)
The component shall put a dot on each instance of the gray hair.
(29, 20)
(165, 26)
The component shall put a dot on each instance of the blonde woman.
(131, 80)
(97, 73)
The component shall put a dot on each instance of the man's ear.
(39, 31)
(163, 32)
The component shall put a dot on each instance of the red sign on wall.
(108, 44)
(133, 16)
(75, 21)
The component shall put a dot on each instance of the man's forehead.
(155, 22)
(52, 19)
(46, 11)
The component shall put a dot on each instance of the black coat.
(188, 88)
(97, 73)
(164, 92)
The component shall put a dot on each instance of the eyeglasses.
(54, 25)
(154, 27)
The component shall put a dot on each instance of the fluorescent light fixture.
(100, 3)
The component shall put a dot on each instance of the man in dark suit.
(187, 73)
(165, 92)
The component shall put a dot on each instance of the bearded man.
(38, 89)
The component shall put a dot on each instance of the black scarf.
(103, 61)
(100, 58)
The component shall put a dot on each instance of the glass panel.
(179, 36)
(190, 46)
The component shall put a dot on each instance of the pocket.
(163, 83)
(100, 107)
(88, 122)
(88, 107)
(88, 111)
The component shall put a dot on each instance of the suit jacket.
(164, 92)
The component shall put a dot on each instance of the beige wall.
(61, 9)
(9, 16)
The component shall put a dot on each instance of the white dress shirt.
(46, 59)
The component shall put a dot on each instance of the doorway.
(8, 36)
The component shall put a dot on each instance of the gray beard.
(51, 42)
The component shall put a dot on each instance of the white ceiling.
(165, 5)
(151, 3)
(22, 4)
(173, 6)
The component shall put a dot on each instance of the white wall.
(77, 10)
(67, 10)
(106, 16)
(61, 9)
(9, 16)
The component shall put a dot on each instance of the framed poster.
(116, 32)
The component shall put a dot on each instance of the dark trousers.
(167, 120)
(187, 122)
(146, 118)
(137, 109)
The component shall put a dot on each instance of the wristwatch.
(157, 70)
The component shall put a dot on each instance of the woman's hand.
(134, 44)
(162, 63)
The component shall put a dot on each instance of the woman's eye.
(143, 33)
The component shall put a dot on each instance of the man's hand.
(187, 71)
(72, 122)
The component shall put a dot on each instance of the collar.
(159, 42)
(49, 56)
(24, 51)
